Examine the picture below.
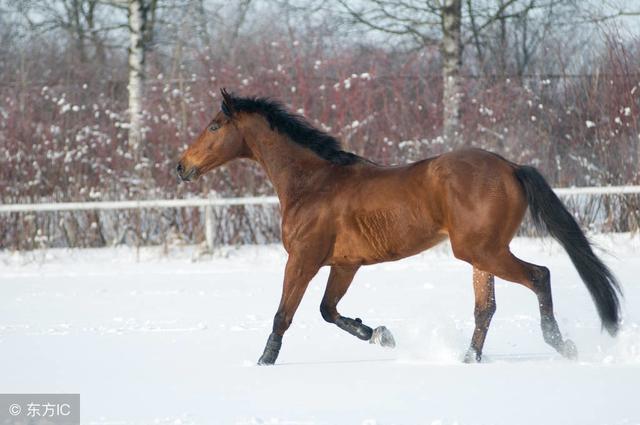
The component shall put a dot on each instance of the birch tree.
(136, 76)
(141, 17)
(451, 50)
(428, 22)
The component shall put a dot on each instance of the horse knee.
(329, 314)
(281, 323)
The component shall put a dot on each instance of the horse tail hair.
(549, 213)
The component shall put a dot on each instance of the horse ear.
(227, 103)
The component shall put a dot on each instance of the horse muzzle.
(187, 174)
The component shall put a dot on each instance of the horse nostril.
(180, 169)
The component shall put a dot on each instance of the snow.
(151, 336)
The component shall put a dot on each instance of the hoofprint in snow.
(150, 337)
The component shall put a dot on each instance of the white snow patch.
(161, 335)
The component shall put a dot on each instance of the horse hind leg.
(537, 278)
(485, 307)
(550, 330)
(340, 279)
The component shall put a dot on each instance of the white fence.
(207, 203)
(210, 203)
(133, 205)
(256, 200)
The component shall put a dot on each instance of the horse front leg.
(340, 279)
(298, 272)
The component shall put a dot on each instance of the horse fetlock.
(328, 314)
(271, 350)
(553, 337)
(354, 327)
(472, 356)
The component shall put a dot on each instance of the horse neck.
(291, 168)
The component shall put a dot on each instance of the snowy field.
(155, 338)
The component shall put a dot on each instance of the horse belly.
(382, 236)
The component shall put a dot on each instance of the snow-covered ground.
(151, 337)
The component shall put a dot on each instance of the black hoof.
(271, 350)
(266, 360)
(472, 356)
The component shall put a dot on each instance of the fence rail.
(255, 200)
(132, 205)
(616, 208)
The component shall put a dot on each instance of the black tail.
(550, 213)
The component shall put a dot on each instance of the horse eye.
(214, 126)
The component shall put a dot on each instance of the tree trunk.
(451, 49)
(136, 76)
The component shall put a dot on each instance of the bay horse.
(344, 211)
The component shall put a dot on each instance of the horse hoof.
(271, 350)
(381, 335)
(268, 358)
(265, 361)
(472, 356)
(569, 350)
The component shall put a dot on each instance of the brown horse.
(343, 211)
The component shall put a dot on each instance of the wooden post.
(209, 226)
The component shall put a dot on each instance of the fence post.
(209, 226)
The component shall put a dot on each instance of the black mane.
(295, 126)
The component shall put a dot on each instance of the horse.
(344, 211)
